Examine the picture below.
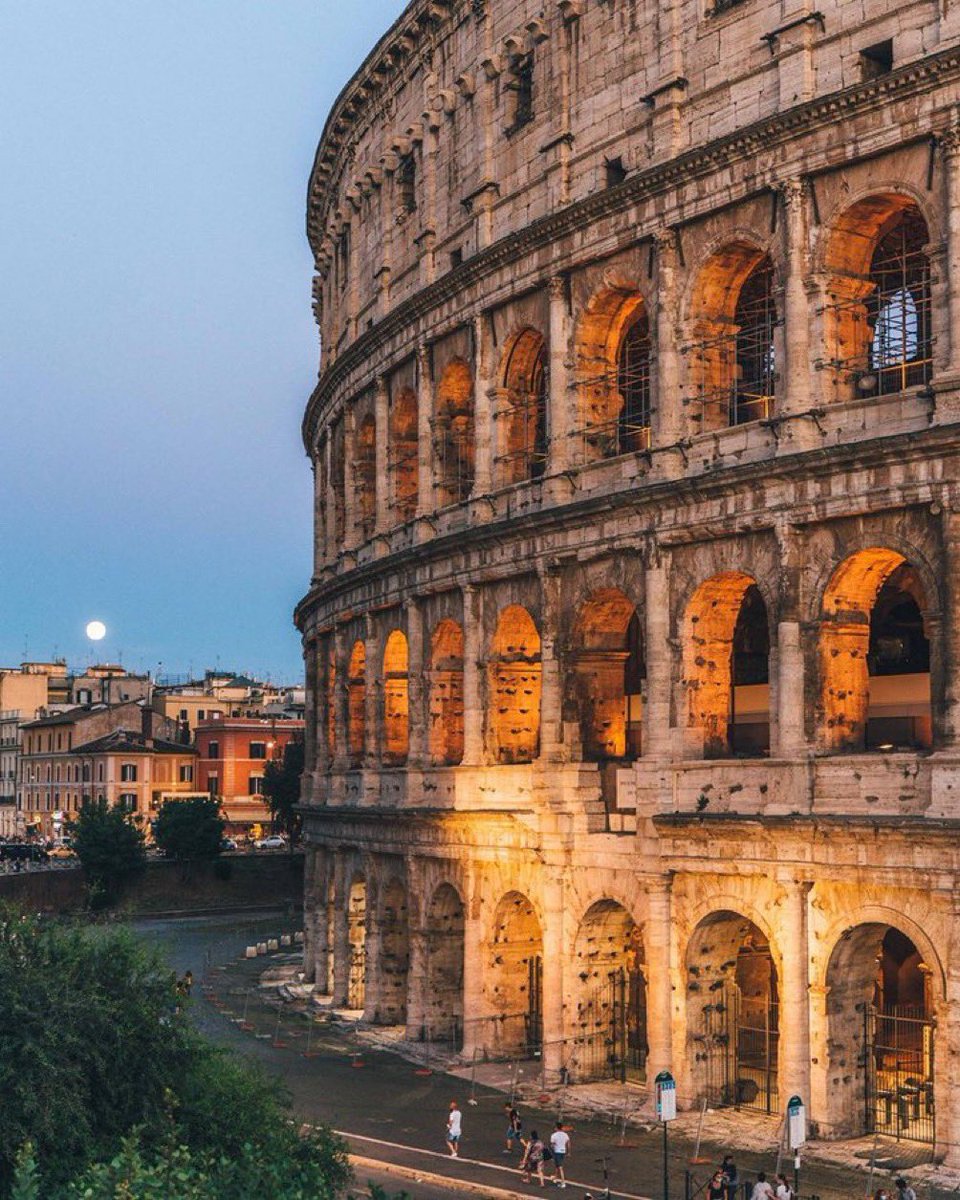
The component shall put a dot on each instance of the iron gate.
(737, 1049)
(613, 1044)
(898, 1046)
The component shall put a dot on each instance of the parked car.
(228, 843)
(273, 842)
(62, 852)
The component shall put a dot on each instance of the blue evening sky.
(157, 344)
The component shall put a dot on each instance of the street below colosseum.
(392, 1110)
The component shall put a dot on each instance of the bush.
(189, 830)
(110, 849)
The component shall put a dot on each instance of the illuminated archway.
(607, 670)
(446, 694)
(733, 1031)
(732, 358)
(454, 433)
(614, 373)
(726, 650)
(874, 656)
(611, 996)
(522, 416)
(878, 316)
(514, 682)
(396, 700)
(404, 454)
(357, 703)
(444, 966)
(394, 955)
(881, 1034)
(515, 979)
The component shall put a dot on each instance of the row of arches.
(873, 663)
(876, 339)
(881, 1007)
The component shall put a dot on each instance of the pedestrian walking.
(559, 1149)
(904, 1190)
(514, 1129)
(454, 1129)
(762, 1189)
(717, 1187)
(729, 1169)
(533, 1159)
(783, 1190)
(188, 983)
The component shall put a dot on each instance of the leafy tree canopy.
(110, 849)
(189, 829)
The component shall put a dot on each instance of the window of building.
(84, 696)
(128, 773)
(616, 172)
(186, 773)
(201, 714)
(213, 750)
(128, 801)
(406, 178)
(258, 749)
(456, 258)
(255, 785)
(99, 772)
(213, 783)
(520, 87)
(876, 60)
(184, 715)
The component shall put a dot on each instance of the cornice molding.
(762, 136)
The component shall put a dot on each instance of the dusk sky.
(157, 345)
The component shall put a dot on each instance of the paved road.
(395, 1113)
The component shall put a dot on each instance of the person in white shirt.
(559, 1149)
(454, 1129)
(761, 1189)
(784, 1190)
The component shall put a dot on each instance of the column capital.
(793, 193)
(950, 143)
(424, 357)
(558, 287)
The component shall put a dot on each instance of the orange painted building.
(233, 756)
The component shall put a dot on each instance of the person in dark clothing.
(729, 1170)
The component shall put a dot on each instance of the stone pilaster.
(472, 676)
(796, 432)
(416, 684)
(659, 658)
(659, 982)
(551, 675)
(483, 404)
(665, 400)
(945, 667)
(555, 947)
(382, 418)
(793, 937)
(474, 962)
(788, 734)
(373, 695)
(372, 960)
(341, 698)
(418, 984)
(426, 501)
(560, 418)
(341, 935)
(331, 547)
(351, 535)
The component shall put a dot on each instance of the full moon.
(96, 631)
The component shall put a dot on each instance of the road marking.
(474, 1162)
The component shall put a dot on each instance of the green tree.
(189, 830)
(281, 787)
(109, 1091)
(110, 849)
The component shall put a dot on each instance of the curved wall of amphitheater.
(632, 652)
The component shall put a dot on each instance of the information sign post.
(797, 1135)
(666, 1087)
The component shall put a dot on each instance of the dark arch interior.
(750, 671)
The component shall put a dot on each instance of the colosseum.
(632, 649)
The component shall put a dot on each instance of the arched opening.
(614, 368)
(522, 414)
(453, 433)
(515, 979)
(444, 967)
(733, 356)
(357, 704)
(733, 1031)
(726, 650)
(446, 694)
(879, 330)
(514, 675)
(880, 1036)
(611, 990)
(394, 955)
(366, 475)
(608, 672)
(875, 656)
(396, 700)
(404, 451)
(357, 941)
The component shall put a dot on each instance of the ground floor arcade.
(753, 973)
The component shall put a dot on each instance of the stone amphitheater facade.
(631, 646)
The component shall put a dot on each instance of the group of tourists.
(535, 1153)
(725, 1184)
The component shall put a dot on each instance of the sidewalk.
(392, 1107)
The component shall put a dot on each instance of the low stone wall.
(255, 880)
